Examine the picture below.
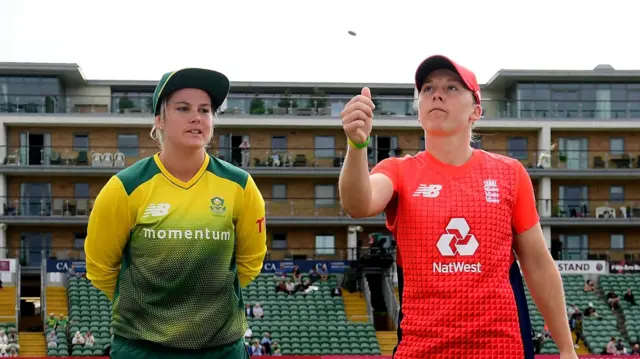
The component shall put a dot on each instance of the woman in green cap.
(173, 238)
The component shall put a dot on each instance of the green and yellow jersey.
(173, 255)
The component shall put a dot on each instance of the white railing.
(18, 292)
(43, 290)
(393, 307)
(367, 298)
(12, 279)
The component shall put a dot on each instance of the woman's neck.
(182, 165)
(453, 150)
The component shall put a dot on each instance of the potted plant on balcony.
(256, 107)
(125, 104)
(562, 160)
(318, 99)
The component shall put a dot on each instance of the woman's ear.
(476, 114)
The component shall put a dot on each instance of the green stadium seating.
(597, 331)
(6, 327)
(314, 324)
(631, 314)
(89, 309)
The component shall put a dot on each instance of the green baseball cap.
(212, 82)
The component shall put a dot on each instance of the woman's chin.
(192, 144)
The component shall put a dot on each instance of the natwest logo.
(457, 241)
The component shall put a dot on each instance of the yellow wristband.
(358, 146)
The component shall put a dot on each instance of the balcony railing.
(574, 208)
(31, 255)
(248, 105)
(303, 157)
(584, 208)
(39, 206)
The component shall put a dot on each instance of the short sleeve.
(525, 211)
(390, 168)
(251, 233)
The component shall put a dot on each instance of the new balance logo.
(157, 210)
(430, 191)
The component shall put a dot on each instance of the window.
(81, 142)
(81, 191)
(423, 144)
(517, 148)
(279, 241)
(325, 146)
(279, 143)
(617, 241)
(131, 102)
(279, 192)
(616, 146)
(616, 194)
(325, 244)
(78, 240)
(325, 195)
(128, 144)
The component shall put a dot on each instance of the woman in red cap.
(461, 217)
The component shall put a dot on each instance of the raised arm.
(251, 240)
(110, 222)
(357, 187)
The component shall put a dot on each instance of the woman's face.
(188, 121)
(445, 105)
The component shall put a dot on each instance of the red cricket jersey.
(454, 227)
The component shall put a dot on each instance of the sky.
(307, 41)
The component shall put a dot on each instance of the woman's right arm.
(357, 186)
(110, 222)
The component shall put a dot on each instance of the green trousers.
(122, 348)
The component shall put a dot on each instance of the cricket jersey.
(461, 289)
(173, 255)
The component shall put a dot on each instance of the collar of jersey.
(432, 161)
(178, 182)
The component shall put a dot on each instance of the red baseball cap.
(438, 62)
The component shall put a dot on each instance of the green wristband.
(358, 145)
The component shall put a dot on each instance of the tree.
(257, 106)
(318, 99)
(125, 103)
(286, 101)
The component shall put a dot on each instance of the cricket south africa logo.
(457, 241)
(217, 205)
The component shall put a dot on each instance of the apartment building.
(63, 135)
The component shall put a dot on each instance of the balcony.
(307, 109)
(62, 211)
(590, 212)
(325, 212)
(302, 162)
(630, 253)
(106, 161)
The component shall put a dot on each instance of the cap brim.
(431, 64)
(214, 83)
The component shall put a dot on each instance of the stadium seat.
(597, 331)
(89, 309)
(322, 327)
